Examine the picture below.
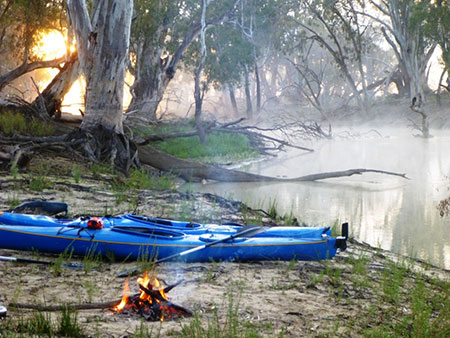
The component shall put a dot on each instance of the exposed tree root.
(97, 145)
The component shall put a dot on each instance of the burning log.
(152, 302)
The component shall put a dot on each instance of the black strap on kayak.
(41, 207)
(247, 231)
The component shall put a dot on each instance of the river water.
(385, 211)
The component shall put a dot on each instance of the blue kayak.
(129, 220)
(126, 242)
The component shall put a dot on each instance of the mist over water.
(386, 211)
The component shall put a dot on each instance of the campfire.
(151, 302)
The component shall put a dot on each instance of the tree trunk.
(197, 92)
(54, 93)
(233, 99)
(152, 76)
(198, 107)
(258, 88)
(248, 97)
(102, 46)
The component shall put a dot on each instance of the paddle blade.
(249, 231)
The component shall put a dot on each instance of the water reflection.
(385, 211)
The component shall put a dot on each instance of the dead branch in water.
(190, 170)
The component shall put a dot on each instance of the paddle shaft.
(34, 261)
(248, 231)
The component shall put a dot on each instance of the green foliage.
(434, 18)
(39, 324)
(92, 259)
(143, 179)
(69, 325)
(39, 183)
(218, 146)
(13, 201)
(22, 21)
(126, 188)
(76, 173)
(392, 283)
(12, 123)
(15, 124)
(143, 331)
(39, 180)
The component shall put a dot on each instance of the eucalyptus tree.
(407, 38)
(435, 18)
(230, 57)
(21, 25)
(338, 28)
(161, 33)
(102, 39)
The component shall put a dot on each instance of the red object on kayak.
(95, 223)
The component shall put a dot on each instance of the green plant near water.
(219, 146)
(392, 282)
(272, 211)
(126, 188)
(142, 179)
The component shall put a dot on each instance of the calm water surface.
(386, 211)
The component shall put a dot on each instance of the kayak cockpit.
(146, 231)
(162, 222)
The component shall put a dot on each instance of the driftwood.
(191, 171)
(85, 306)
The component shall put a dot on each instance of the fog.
(385, 211)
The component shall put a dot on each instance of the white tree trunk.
(102, 43)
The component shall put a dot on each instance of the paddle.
(24, 260)
(49, 208)
(244, 232)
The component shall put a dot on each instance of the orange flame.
(124, 301)
(151, 293)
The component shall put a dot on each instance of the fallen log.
(85, 306)
(194, 171)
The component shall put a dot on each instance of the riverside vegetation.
(363, 292)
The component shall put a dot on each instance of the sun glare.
(51, 45)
